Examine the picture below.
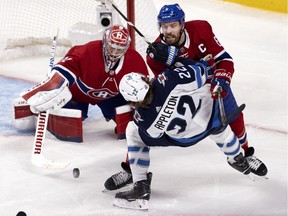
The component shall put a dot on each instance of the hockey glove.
(209, 62)
(222, 79)
(163, 53)
(52, 93)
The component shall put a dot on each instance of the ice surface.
(187, 181)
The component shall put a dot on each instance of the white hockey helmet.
(133, 87)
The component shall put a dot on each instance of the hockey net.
(28, 26)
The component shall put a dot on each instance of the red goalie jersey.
(90, 80)
(88, 74)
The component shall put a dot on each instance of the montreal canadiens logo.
(101, 94)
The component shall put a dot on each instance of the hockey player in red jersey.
(90, 73)
(196, 40)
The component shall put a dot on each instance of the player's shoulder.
(197, 24)
(131, 50)
(92, 45)
(96, 44)
(132, 54)
(166, 77)
(134, 61)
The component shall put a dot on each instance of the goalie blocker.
(65, 124)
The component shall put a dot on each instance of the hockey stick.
(38, 158)
(132, 25)
(224, 119)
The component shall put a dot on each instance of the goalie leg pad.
(23, 119)
(66, 125)
(124, 114)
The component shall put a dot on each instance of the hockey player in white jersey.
(174, 109)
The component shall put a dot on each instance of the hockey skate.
(120, 179)
(240, 163)
(136, 198)
(257, 166)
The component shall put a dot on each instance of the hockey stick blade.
(224, 119)
(234, 114)
(41, 161)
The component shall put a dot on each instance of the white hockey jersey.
(182, 109)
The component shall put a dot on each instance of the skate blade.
(138, 204)
(263, 177)
(251, 176)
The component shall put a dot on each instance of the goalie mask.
(116, 41)
(133, 88)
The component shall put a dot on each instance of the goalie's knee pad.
(66, 124)
(24, 118)
(124, 114)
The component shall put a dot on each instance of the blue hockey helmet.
(171, 13)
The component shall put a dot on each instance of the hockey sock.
(228, 143)
(139, 160)
(238, 127)
(124, 114)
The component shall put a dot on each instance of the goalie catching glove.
(163, 53)
(52, 93)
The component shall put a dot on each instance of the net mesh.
(28, 26)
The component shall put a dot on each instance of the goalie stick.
(37, 157)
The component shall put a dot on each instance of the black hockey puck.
(76, 173)
(21, 213)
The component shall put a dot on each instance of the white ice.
(187, 181)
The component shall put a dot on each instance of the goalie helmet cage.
(27, 26)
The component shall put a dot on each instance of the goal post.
(131, 17)
(27, 26)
